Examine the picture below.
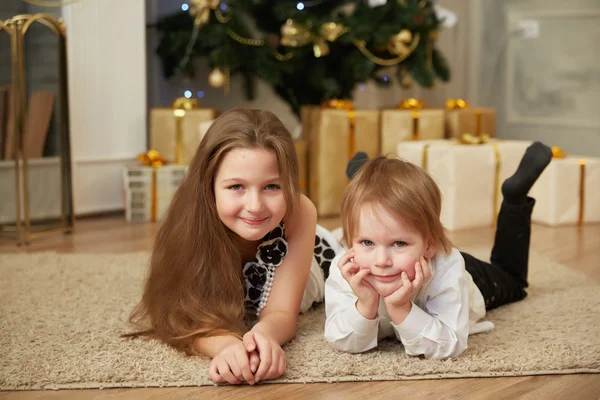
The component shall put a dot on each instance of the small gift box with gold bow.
(150, 186)
(176, 132)
(460, 118)
(469, 174)
(335, 132)
(568, 191)
(410, 121)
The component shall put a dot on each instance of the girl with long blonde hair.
(239, 253)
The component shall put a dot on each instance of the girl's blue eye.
(399, 244)
(366, 243)
(272, 186)
(236, 187)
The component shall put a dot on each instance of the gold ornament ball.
(216, 78)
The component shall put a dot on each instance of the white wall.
(544, 88)
(107, 97)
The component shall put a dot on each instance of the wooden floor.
(578, 248)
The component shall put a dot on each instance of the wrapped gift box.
(469, 176)
(401, 125)
(163, 128)
(568, 192)
(148, 191)
(332, 140)
(476, 121)
(302, 154)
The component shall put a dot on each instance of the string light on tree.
(185, 7)
(187, 94)
(300, 6)
(200, 94)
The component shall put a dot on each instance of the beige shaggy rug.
(61, 316)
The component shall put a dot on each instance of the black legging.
(505, 279)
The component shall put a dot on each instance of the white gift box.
(567, 192)
(469, 176)
(138, 182)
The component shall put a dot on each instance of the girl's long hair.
(195, 286)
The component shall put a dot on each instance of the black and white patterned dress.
(260, 272)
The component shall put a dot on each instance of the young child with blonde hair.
(238, 254)
(400, 275)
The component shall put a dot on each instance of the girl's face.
(248, 192)
(387, 247)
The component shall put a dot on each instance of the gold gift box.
(333, 137)
(302, 154)
(163, 131)
(476, 121)
(399, 125)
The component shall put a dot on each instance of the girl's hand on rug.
(233, 365)
(272, 357)
(368, 298)
(398, 304)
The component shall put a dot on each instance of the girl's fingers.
(349, 270)
(345, 258)
(405, 280)
(249, 342)
(418, 281)
(426, 269)
(360, 275)
(243, 367)
(225, 372)
(213, 373)
(265, 352)
(254, 361)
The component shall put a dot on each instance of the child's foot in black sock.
(533, 163)
(355, 163)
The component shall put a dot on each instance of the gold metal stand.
(23, 230)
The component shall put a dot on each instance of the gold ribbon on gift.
(558, 152)
(469, 139)
(152, 158)
(414, 105)
(201, 9)
(294, 34)
(180, 106)
(349, 107)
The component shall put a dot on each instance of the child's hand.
(398, 303)
(368, 298)
(234, 364)
(272, 357)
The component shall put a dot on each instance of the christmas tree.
(308, 51)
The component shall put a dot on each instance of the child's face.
(387, 246)
(248, 192)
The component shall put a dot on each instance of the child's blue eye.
(272, 186)
(366, 243)
(236, 187)
(399, 244)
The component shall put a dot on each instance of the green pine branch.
(304, 79)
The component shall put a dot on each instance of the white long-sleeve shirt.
(443, 314)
